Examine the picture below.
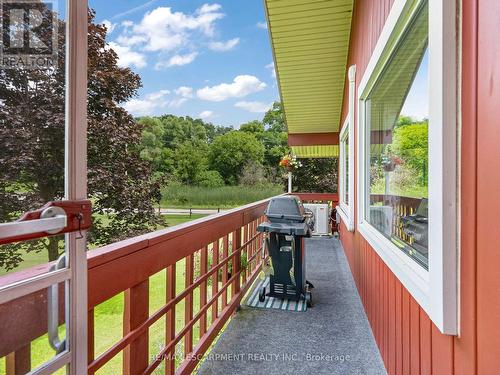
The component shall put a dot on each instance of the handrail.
(232, 233)
(226, 238)
(318, 197)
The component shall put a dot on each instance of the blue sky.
(417, 101)
(203, 59)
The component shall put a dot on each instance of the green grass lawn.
(108, 316)
(412, 191)
(177, 196)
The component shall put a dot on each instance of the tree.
(274, 119)
(411, 144)
(191, 160)
(32, 123)
(275, 138)
(214, 131)
(153, 148)
(255, 127)
(230, 152)
(210, 179)
(180, 130)
(316, 176)
(276, 145)
(253, 174)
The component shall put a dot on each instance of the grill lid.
(284, 209)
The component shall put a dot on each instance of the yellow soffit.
(323, 151)
(310, 40)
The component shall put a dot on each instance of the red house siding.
(407, 339)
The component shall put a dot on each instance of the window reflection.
(397, 136)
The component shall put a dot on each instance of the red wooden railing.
(220, 259)
(330, 198)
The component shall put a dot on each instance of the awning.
(310, 40)
(331, 151)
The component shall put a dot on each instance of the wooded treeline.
(195, 152)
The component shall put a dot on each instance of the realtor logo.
(29, 34)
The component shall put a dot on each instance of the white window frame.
(437, 289)
(346, 209)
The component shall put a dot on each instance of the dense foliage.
(409, 149)
(194, 152)
(32, 126)
(316, 176)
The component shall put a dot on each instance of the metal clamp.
(53, 310)
(52, 220)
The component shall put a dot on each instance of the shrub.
(210, 179)
(253, 174)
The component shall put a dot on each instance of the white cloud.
(149, 104)
(110, 26)
(224, 46)
(177, 60)
(172, 35)
(241, 86)
(208, 8)
(127, 23)
(272, 68)
(164, 30)
(205, 114)
(262, 25)
(255, 107)
(127, 57)
(131, 40)
(185, 92)
(176, 103)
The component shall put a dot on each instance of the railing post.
(90, 336)
(135, 356)
(225, 246)
(188, 307)
(236, 262)
(203, 289)
(215, 278)
(170, 320)
(244, 250)
(19, 362)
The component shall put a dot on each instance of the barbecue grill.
(287, 226)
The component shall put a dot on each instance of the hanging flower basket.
(390, 162)
(290, 163)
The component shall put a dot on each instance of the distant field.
(224, 197)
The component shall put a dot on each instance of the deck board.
(335, 326)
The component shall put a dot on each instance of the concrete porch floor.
(332, 337)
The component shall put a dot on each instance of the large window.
(407, 154)
(396, 133)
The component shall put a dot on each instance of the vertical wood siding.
(407, 339)
(488, 186)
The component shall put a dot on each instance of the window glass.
(397, 144)
(32, 125)
(346, 170)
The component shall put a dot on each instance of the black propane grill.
(287, 226)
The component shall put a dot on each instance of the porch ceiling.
(310, 40)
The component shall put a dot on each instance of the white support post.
(76, 179)
(289, 182)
